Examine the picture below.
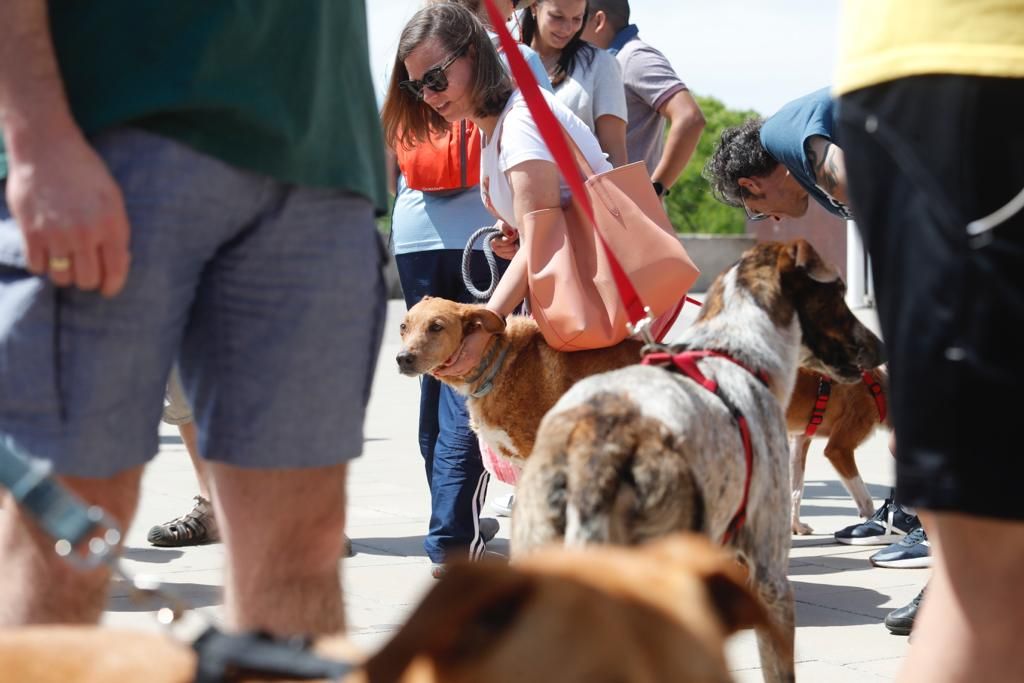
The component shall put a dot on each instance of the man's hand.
(507, 244)
(71, 213)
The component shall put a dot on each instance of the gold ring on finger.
(59, 264)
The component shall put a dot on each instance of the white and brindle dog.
(640, 452)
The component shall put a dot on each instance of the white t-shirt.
(517, 139)
(596, 90)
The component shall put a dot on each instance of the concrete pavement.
(841, 599)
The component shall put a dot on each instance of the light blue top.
(425, 221)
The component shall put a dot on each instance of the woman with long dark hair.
(586, 79)
(430, 225)
(447, 69)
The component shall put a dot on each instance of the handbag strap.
(554, 136)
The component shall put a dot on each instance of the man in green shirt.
(197, 182)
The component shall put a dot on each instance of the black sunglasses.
(433, 78)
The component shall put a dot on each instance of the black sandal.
(198, 527)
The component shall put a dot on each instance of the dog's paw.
(801, 529)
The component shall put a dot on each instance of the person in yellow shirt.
(930, 99)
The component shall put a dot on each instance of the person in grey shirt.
(654, 94)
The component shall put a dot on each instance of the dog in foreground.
(519, 378)
(644, 615)
(639, 452)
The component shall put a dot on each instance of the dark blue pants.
(451, 453)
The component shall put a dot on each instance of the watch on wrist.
(660, 189)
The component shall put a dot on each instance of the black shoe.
(910, 552)
(901, 620)
(488, 528)
(890, 523)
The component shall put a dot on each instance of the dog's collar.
(488, 383)
(228, 657)
(480, 369)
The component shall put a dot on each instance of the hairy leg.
(973, 612)
(284, 534)
(38, 587)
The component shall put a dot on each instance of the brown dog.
(646, 615)
(520, 376)
(848, 414)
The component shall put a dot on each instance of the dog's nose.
(405, 360)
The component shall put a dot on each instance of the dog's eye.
(435, 327)
(402, 328)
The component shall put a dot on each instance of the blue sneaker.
(890, 523)
(911, 552)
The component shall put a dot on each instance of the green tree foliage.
(691, 207)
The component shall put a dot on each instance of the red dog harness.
(825, 392)
(686, 363)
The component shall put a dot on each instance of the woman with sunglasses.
(507, 8)
(429, 228)
(518, 174)
(586, 79)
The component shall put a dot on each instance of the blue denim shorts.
(269, 296)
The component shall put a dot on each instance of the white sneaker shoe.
(502, 506)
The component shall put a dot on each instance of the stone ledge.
(714, 253)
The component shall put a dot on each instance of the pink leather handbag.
(572, 262)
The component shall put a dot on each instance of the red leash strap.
(876, 391)
(686, 364)
(554, 137)
(820, 405)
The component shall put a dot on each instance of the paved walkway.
(841, 599)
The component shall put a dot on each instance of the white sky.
(751, 54)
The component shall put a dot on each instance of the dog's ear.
(485, 318)
(468, 609)
(805, 258)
